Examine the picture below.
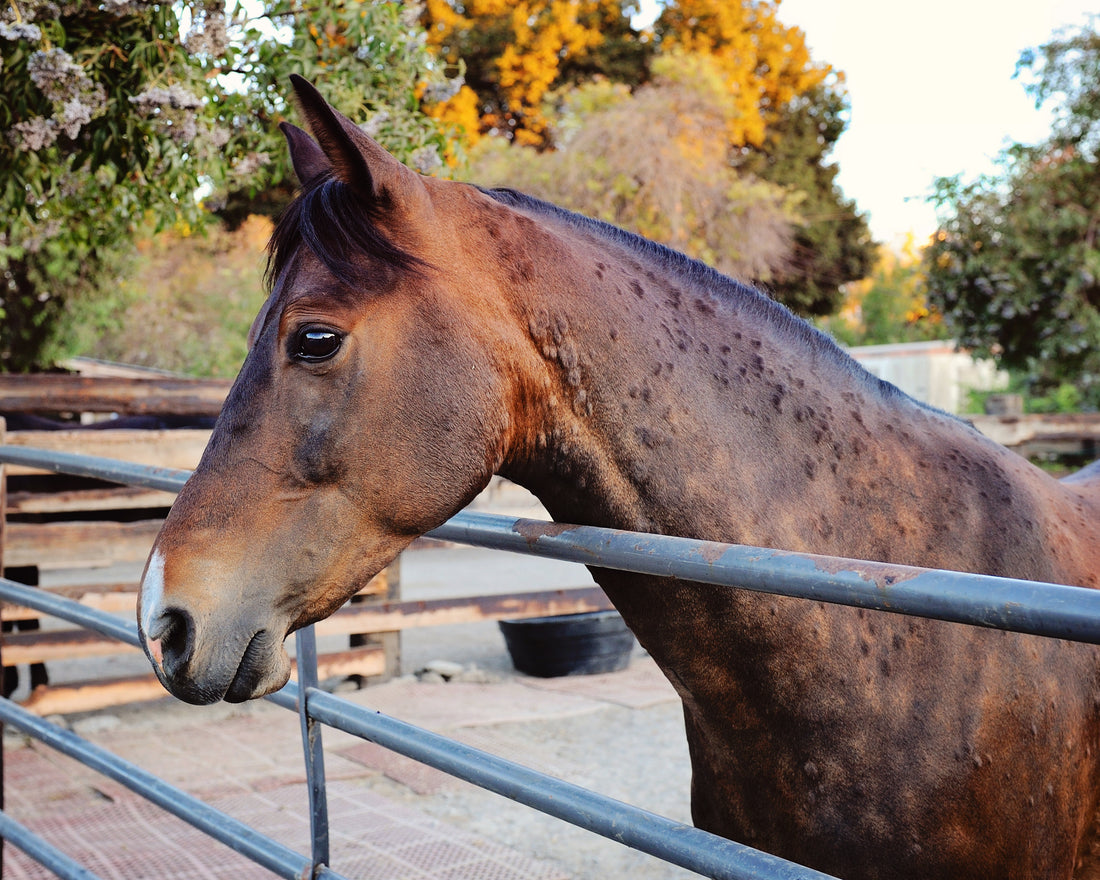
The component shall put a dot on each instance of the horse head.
(359, 419)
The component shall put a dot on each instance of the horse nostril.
(175, 633)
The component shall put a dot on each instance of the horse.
(421, 335)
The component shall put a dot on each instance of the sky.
(931, 92)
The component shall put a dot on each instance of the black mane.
(337, 225)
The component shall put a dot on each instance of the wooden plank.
(151, 396)
(124, 604)
(66, 644)
(88, 696)
(367, 662)
(97, 369)
(62, 644)
(122, 598)
(391, 616)
(123, 498)
(78, 544)
(174, 449)
(1017, 430)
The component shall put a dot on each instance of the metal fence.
(1005, 603)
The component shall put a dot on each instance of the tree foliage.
(517, 56)
(115, 112)
(654, 161)
(512, 55)
(831, 244)
(775, 115)
(890, 305)
(1015, 265)
(765, 64)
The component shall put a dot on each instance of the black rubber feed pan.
(569, 644)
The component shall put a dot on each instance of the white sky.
(931, 91)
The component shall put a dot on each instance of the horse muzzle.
(201, 659)
(236, 668)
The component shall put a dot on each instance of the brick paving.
(248, 763)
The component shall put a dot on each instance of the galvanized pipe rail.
(1043, 609)
(674, 842)
(1023, 606)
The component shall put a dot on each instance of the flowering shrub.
(116, 113)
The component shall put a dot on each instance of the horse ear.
(305, 155)
(354, 158)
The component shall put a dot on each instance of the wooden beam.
(390, 616)
(67, 644)
(82, 500)
(180, 448)
(1017, 430)
(78, 544)
(87, 696)
(152, 396)
(122, 603)
(61, 644)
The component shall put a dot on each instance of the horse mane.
(694, 272)
(334, 222)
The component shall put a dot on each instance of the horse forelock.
(331, 220)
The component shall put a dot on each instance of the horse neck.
(663, 405)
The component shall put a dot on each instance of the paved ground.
(621, 734)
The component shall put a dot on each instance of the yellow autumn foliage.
(521, 47)
(537, 36)
(461, 113)
(765, 63)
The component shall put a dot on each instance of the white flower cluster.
(245, 167)
(32, 134)
(208, 34)
(426, 160)
(76, 100)
(410, 15)
(19, 30)
(175, 97)
(173, 108)
(438, 92)
(373, 126)
(126, 7)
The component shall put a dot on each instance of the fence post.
(306, 641)
(3, 519)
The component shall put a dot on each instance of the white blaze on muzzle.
(152, 600)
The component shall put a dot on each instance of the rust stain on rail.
(532, 529)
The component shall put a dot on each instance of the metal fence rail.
(1022, 606)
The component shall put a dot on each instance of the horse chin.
(263, 668)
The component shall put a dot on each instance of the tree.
(117, 112)
(832, 244)
(781, 115)
(890, 305)
(765, 64)
(517, 56)
(1015, 265)
(654, 161)
(512, 55)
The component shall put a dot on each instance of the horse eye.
(314, 344)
